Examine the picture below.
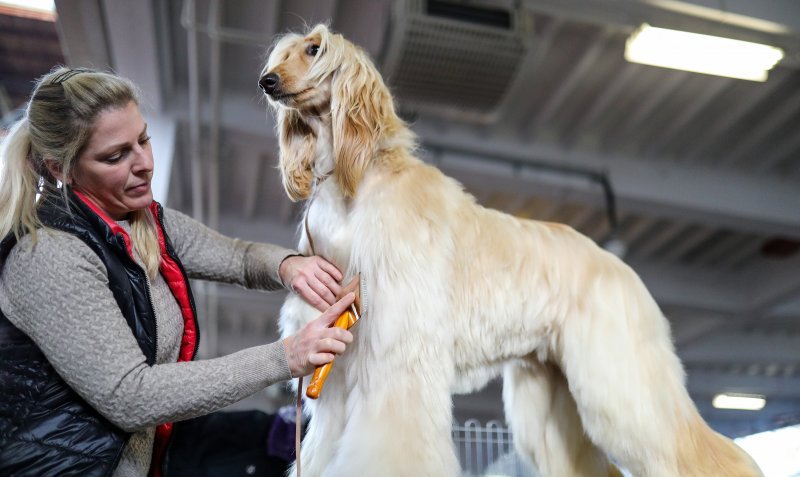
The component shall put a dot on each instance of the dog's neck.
(325, 224)
(324, 162)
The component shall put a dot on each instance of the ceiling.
(533, 117)
(29, 47)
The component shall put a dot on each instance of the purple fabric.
(280, 442)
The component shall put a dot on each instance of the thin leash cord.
(297, 419)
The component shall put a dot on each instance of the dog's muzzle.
(270, 84)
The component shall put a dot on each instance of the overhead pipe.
(211, 179)
(188, 20)
(215, 96)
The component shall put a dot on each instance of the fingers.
(329, 348)
(318, 342)
(334, 345)
(312, 297)
(325, 280)
(331, 270)
(304, 354)
(333, 312)
(315, 279)
(320, 358)
(325, 289)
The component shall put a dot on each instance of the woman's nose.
(144, 159)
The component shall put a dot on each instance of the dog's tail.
(703, 452)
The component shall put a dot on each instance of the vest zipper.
(121, 243)
(155, 318)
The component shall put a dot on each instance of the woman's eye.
(113, 159)
(144, 140)
(312, 50)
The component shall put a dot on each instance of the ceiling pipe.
(215, 96)
(230, 35)
(216, 35)
(188, 22)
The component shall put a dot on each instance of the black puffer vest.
(45, 427)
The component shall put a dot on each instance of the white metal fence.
(488, 450)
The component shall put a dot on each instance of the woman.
(98, 329)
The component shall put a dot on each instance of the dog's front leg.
(399, 430)
(321, 435)
(399, 413)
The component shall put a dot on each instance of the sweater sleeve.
(209, 255)
(57, 293)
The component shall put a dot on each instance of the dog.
(455, 294)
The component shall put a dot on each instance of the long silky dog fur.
(456, 294)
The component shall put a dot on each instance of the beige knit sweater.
(57, 293)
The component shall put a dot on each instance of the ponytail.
(145, 240)
(19, 183)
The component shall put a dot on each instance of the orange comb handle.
(345, 321)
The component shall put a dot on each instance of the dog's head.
(320, 76)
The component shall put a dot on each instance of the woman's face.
(116, 166)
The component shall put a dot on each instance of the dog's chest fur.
(327, 211)
(327, 224)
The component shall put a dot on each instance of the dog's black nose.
(269, 83)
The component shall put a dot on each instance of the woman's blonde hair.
(54, 130)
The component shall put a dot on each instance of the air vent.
(492, 17)
(456, 60)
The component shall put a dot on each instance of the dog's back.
(489, 289)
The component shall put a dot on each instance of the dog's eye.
(312, 49)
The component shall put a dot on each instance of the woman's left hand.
(313, 278)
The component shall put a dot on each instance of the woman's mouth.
(139, 189)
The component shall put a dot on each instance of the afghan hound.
(454, 294)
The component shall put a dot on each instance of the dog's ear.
(360, 103)
(297, 149)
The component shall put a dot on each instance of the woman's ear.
(56, 170)
(358, 104)
(297, 149)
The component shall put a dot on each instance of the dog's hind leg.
(546, 424)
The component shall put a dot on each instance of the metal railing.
(488, 451)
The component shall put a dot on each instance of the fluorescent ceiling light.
(701, 53)
(44, 10)
(747, 402)
(44, 5)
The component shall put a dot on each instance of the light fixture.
(44, 5)
(701, 53)
(37, 9)
(747, 402)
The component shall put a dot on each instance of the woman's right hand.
(318, 342)
(315, 279)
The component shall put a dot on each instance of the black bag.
(227, 444)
